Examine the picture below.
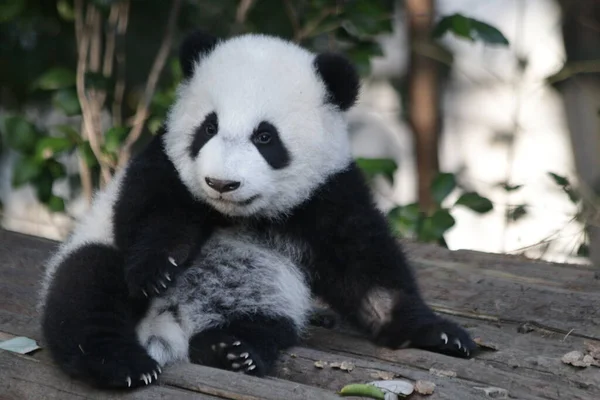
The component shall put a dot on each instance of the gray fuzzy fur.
(237, 273)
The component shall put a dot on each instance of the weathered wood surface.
(491, 295)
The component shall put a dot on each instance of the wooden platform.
(532, 313)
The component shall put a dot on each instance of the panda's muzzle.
(222, 186)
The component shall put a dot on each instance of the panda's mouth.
(243, 203)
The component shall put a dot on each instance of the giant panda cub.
(210, 244)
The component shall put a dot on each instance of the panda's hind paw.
(445, 337)
(235, 355)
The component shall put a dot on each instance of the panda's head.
(258, 122)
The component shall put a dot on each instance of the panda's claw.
(167, 276)
(251, 368)
(162, 284)
(248, 362)
(128, 380)
(159, 369)
(172, 261)
(144, 293)
(155, 375)
(236, 343)
(457, 343)
(444, 337)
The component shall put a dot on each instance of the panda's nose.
(222, 186)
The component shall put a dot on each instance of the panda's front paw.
(151, 276)
(446, 337)
(237, 356)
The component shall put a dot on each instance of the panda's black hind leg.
(250, 345)
(88, 322)
(218, 348)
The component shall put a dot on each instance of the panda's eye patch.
(203, 133)
(268, 143)
(262, 137)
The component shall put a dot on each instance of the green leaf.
(43, 185)
(154, 125)
(405, 220)
(21, 135)
(25, 170)
(56, 204)
(70, 133)
(517, 212)
(378, 166)
(475, 202)
(583, 250)
(510, 188)
(56, 169)
(55, 78)
(67, 101)
(10, 9)
(470, 29)
(488, 33)
(65, 10)
(443, 184)
(114, 138)
(558, 179)
(436, 225)
(88, 154)
(48, 146)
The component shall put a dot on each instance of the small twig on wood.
(567, 335)
(159, 62)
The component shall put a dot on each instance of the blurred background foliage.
(110, 67)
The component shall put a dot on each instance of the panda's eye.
(263, 138)
(210, 129)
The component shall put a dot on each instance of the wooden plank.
(23, 377)
(491, 289)
(471, 288)
(523, 382)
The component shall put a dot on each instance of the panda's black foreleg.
(359, 268)
(250, 344)
(88, 321)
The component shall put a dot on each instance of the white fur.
(96, 226)
(246, 80)
(237, 274)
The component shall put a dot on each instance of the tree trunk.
(423, 98)
(581, 95)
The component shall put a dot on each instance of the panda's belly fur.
(238, 273)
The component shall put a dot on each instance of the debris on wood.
(593, 349)
(383, 375)
(525, 328)
(424, 387)
(578, 359)
(20, 345)
(320, 364)
(362, 390)
(442, 372)
(494, 392)
(486, 345)
(344, 365)
(399, 387)
(383, 390)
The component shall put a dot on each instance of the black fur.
(354, 251)
(259, 336)
(340, 78)
(274, 151)
(156, 219)
(89, 320)
(194, 46)
(204, 133)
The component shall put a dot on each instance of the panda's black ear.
(340, 78)
(196, 44)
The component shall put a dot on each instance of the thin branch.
(90, 122)
(242, 11)
(120, 57)
(159, 62)
(293, 17)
